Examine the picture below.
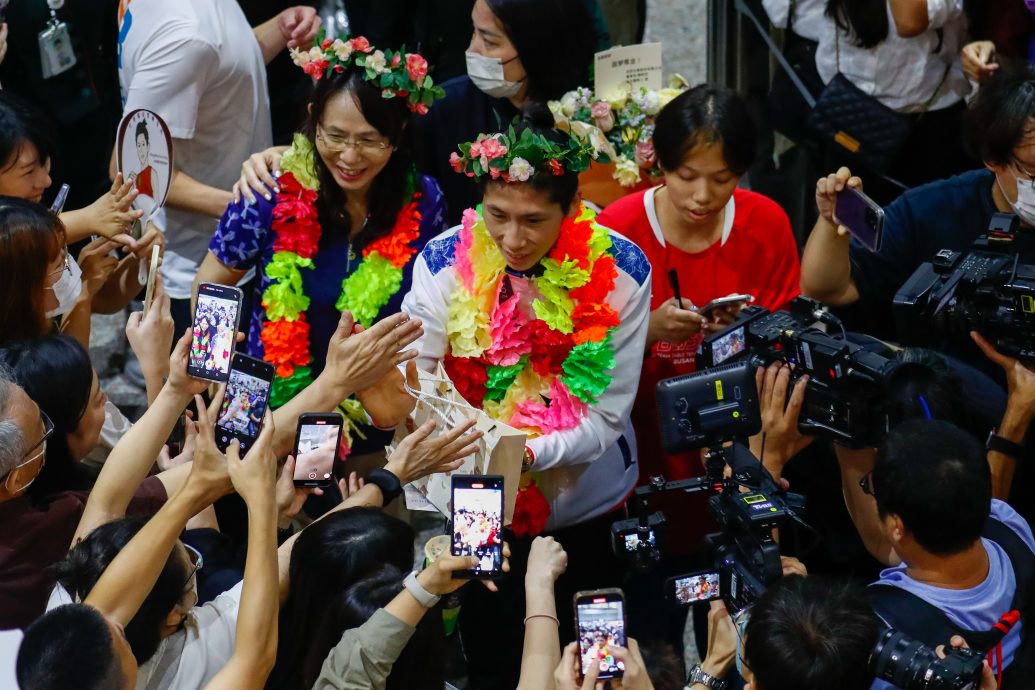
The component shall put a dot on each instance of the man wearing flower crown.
(539, 315)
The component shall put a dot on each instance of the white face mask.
(487, 74)
(1024, 207)
(67, 288)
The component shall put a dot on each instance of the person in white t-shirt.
(202, 68)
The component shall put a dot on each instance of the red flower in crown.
(417, 67)
(361, 44)
(555, 167)
(456, 162)
(316, 68)
(418, 108)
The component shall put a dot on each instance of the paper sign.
(638, 65)
(145, 155)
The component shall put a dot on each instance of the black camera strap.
(912, 615)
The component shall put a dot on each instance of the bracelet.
(542, 615)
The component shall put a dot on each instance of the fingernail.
(276, 173)
(276, 189)
(268, 196)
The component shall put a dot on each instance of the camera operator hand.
(673, 324)
(1020, 410)
(780, 439)
(826, 273)
(722, 641)
(988, 681)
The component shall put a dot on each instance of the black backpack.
(908, 613)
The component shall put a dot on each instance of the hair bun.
(537, 115)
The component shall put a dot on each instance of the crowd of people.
(383, 224)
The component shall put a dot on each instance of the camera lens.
(911, 665)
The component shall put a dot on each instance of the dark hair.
(664, 668)
(554, 40)
(328, 558)
(706, 114)
(394, 185)
(20, 122)
(561, 189)
(1002, 113)
(935, 477)
(865, 20)
(69, 648)
(421, 665)
(927, 384)
(811, 633)
(142, 129)
(79, 571)
(55, 371)
(30, 238)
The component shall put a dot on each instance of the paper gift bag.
(500, 450)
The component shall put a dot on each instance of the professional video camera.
(846, 397)
(746, 558)
(911, 665)
(986, 289)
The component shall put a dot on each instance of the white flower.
(666, 95)
(520, 170)
(626, 172)
(341, 49)
(649, 102)
(597, 139)
(315, 53)
(376, 61)
(619, 96)
(569, 102)
(299, 57)
(558, 113)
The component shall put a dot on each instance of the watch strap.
(998, 444)
(391, 487)
(698, 675)
(423, 596)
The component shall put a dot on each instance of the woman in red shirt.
(719, 239)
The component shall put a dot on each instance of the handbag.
(860, 124)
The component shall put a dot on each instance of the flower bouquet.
(621, 125)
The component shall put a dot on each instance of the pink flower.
(418, 108)
(456, 162)
(417, 68)
(315, 69)
(491, 149)
(476, 149)
(645, 154)
(361, 44)
(602, 115)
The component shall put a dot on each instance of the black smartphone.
(600, 626)
(244, 403)
(695, 587)
(863, 217)
(214, 330)
(316, 447)
(477, 518)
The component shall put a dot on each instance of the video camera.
(986, 289)
(846, 396)
(745, 556)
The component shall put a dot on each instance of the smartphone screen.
(477, 516)
(695, 587)
(862, 216)
(316, 447)
(244, 402)
(215, 325)
(600, 617)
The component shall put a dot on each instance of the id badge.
(56, 52)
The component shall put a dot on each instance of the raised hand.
(438, 578)
(180, 381)
(113, 213)
(420, 454)
(259, 175)
(388, 402)
(779, 417)
(151, 334)
(547, 561)
(97, 264)
(209, 474)
(359, 358)
(298, 25)
(255, 476)
(826, 195)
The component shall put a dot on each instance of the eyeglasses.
(66, 265)
(196, 562)
(1022, 169)
(38, 452)
(337, 144)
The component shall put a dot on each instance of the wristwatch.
(697, 675)
(389, 484)
(423, 596)
(998, 444)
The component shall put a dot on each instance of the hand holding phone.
(244, 402)
(723, 302)
(600, 626)
(861, 216)
(476, 516)
(214, 331)
(316, 448)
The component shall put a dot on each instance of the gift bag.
(501, 448)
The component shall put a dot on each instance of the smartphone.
(244, 403)
(477, 517)
(695, 587)
(707, 309)
(863, 217)
(599, 626)
(214, 331)
(152, 275)
(62, 196)
(316, 447)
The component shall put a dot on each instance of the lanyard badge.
(56, 52)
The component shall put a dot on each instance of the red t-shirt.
(757, 255)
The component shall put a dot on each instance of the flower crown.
(399, 74)
(511, 157)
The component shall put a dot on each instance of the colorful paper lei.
(620, 123)
(513, 157)
(296, 237)
(401, 74)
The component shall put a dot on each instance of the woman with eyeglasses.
(340, 228)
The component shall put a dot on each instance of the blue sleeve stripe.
(629, 258)
(439, 253)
